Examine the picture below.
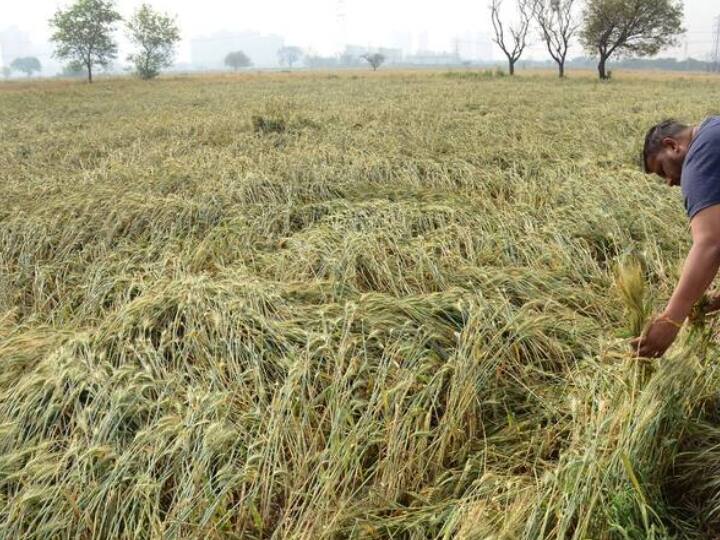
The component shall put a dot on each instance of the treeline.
(290, 55)
(83, 34)
(588, 62)
(661, 64)
(606, 29)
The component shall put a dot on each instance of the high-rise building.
(715, 55)
(423, 41)
(341, 18)
(404, 41)
(473, 46)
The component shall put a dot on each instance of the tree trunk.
(511, 67)
(561, 69)
(602, 71)
(89, 68)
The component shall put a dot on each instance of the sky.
(315, 24)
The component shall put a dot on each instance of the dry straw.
(395, 317)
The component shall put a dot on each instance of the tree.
(557, 25)
(518, 32)
(73, 69)
(375, 60)
(83, 33)
(237, 60)
(27, 64)
(630, 27)
(289, 55)
(155, 35)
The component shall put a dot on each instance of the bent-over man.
(689, 157)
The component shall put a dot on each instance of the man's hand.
(657, 338)
(699, 270)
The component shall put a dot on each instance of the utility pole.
(716, 46)
(341, 17)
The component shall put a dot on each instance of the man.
(689, 157)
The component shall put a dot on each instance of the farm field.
(346, 305)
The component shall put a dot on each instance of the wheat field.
(347, 305)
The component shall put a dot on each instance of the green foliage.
(155, 36)
(237, 60)
(395, 319)
(73, 69)
(82, 33)
(481, 74)
(630, 27)
(27, 65)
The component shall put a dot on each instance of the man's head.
(666, 146)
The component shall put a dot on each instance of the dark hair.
(655, 136)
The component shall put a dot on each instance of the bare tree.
(558, 26)
(289, 55)
(375, 60)
(518, 31)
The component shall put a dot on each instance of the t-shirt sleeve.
(701, 172)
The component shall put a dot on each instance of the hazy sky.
(314, 23)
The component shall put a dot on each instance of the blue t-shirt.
(700, 178)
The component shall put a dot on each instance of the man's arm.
(699, 270)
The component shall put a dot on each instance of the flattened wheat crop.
(346, 306)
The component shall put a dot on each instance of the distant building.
(404, 41)
(392, 56)
(354, 51)
(424, 41)
(473, 46)
(208, 52)
(316, 61)
(430, 58)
